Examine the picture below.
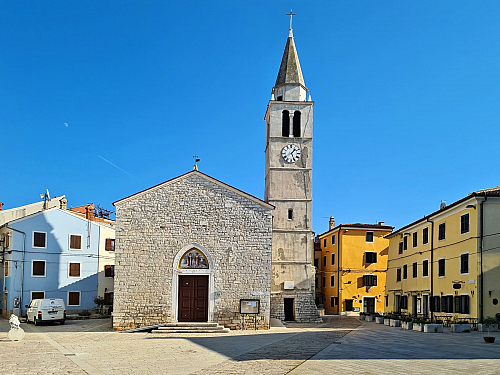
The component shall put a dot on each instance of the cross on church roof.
(291, 15)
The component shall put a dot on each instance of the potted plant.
(407, 323)
(395, 321)
(387, 319)
(369, 318)
(379, 319)
(435, 327)
(362, 316)
(418, 325)
(460, 326)
(489, 323)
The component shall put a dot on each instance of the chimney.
(63, 203)
(89, 212)
(381, 223)
(442, 205)
(331, 224)
(1, 205)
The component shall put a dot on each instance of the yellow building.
(447, 265)
(352, 267)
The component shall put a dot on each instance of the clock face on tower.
(290, 153)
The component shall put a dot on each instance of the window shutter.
(374, 280)
(432, 306)
(458, 302)
(450, 304)
(108, 244)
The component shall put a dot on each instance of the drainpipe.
(432, 270)
(481, 239)
(22, 268)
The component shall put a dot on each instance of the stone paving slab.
(340, 344)
(378, 349)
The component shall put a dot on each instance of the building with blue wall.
(53, 253)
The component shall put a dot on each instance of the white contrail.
(114, 165)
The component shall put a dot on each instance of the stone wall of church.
(153, 226)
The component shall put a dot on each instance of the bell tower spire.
(290, 84)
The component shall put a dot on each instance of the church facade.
(197, 250)
(190, 249)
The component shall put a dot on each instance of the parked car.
(46, 310)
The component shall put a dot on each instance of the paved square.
(340, 344)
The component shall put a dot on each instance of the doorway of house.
(193, 298)
(289, 308)
(369, 305)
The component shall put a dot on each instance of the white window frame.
(364, 256)
(373, 236)
(468, 295)
(333, 259)
(461, 224)
(425, 243)
(332, 277)
(403, 272)
(36, 291)
(444, 239)
(79, 298)
(440, 277)
(372, 286)
(363, 303)
(428, 269)
(33, 239)
(69, 267)
(69, 242)
(414, 276)
(333, 239)
(44, 268)
(468, 263)
(323, 282)
(412, 242)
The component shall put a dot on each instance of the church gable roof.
(204, 176)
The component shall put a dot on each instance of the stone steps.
(182, 328)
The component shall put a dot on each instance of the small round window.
(495, 301)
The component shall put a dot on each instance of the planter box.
(362, 317)
(407, 325)
(369, 318)
(433, 328)
(418, 327)
(395, 323)
(387, 322)
(379, 319)
(460, 327)
(483, 328)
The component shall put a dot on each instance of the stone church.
(194, 249)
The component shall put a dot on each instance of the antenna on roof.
(45, 197)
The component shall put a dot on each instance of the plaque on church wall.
(193, 259)
(249, 306)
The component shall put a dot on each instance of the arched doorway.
(192, 285)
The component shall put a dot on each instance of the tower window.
(285, 124)
(290, 214)
(296, 124)
(279, 98)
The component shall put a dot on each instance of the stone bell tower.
(289, 120)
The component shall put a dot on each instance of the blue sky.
(406, 115)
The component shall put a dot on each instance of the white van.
(46, 310)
